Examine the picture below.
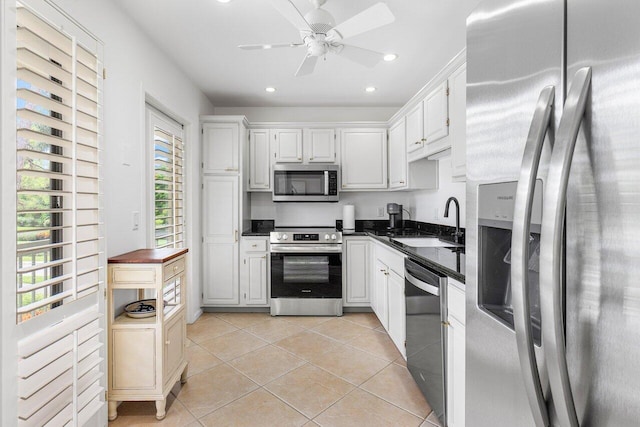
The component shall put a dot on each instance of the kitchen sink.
(426, 242)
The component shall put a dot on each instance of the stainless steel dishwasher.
(426, 311)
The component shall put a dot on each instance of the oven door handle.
(304, 249)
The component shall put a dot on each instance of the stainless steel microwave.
(305, 183)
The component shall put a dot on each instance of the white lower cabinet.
(455, 354)
(356, 265)
(397, 327)
(254, 272)
(388, 293)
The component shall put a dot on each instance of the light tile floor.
(251, 369)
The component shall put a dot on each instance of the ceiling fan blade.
(366, 57)
(293, 15)
(369, 19)
(307, 66)
(268, 46)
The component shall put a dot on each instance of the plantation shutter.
(60, 256)
(168, 180)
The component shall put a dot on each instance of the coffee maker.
(395, 216)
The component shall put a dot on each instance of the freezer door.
(514, 50)
(603, 216)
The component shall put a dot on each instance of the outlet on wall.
(436, 213)
(380, 212)
(135, 220)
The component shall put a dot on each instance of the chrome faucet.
(457, 235)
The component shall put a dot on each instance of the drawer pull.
(254, 246)
(175, 268)
(167, 342)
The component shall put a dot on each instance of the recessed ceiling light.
(390, 57)
(266, 46)
(270, 89)
(224, 1)
(370, 89)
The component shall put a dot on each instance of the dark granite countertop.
(447, 261)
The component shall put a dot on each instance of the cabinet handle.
(446, 324)
(383, 271)
(424, 140)
(175, 268)
(264, 256)
(299, 158)
(310, 158)
(401, 182)
(230, 169)
(254, 246)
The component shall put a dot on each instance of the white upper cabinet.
(220, 148)
(415, 128)
(397, 156)
(288, 145)
(320, 145)
(363, 157)
(436, 118)
(259, 160)
(458, 124)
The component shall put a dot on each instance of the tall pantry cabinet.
(224, 205)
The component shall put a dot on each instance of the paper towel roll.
(348, 218)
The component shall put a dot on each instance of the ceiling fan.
(321, 35)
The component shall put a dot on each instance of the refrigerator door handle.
(540, 125)
(551, 248)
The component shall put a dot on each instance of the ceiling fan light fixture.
(390, 57)
(370, 89)
(270, 89)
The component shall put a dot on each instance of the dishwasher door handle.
(433, 290)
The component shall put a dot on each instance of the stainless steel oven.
(306, 272)
(305, 183)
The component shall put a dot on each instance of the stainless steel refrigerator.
(553, 213)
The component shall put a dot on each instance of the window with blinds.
(57, 142)
(168, 182)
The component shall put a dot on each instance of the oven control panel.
(297, 236)
(306, 237)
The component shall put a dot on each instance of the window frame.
(155, 116)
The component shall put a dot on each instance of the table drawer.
(174, 268)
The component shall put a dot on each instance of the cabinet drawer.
(255, 245)
(392, 258)
(174, 268)
(456, 303)
(133, 276)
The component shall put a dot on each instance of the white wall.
(137, 69)
(325, 214)
(429, 204)
(311, 114)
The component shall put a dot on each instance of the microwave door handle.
(551, 248)
(540, 126)
(326, 183)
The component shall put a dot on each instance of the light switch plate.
(136, 220)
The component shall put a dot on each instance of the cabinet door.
(288, 145)
(356, 277)
(174, 344)
(259, 160)
(320, 146)
(455, 354)
(133, 359)
(397, 156)
(255, 291)
(220, 245)
(458, 122)
(364, 159)
(380, 289)
(397, 329)
(436, 115)
(415, 128)
(220, 142)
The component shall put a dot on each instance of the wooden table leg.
(113, 410)
(160, 409)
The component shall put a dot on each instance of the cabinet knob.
(384, 271)
(424, 139)
(418, 142)
(299, 158)
(175, 268)
(401, 182)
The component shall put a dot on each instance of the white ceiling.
(202, 36)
